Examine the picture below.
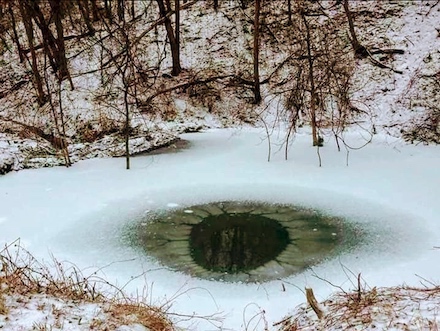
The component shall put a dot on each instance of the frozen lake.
(79, 215)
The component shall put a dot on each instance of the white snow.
(393, 97)
(172, 204)
(42, 312)
(389, 188)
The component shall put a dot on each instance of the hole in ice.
(242, 241)
(238, 242)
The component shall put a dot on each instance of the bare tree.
(53, 47)
(27, 22)
(177, 30)
(311, 76)
(363, 52)
(95, 14)
(127, 72)
(320, 69)
(359, 50)
(84, 9)
(108, 10)
(121, 75)
(256, 52)
(171, 34)
(14, 30)
(289, 12)
(120, 10)
(63, 71)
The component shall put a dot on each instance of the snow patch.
(172, 204)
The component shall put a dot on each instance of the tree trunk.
(359, 50)
(133, 11)
(85, 13)
(66, 155)
(127, 74)
(312, 83)
(120, 10)
(95, 14)
(175, 51)
(38, 83)
(58, 141)
(49, 44)
(14, 30)
(63, 71)
(127, 126)
(127, 110)
(289, 12)
(177, 31)
(108, 10)
(256, 51)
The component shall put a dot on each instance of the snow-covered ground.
(399, 104)
(79, 214)
(389, 188)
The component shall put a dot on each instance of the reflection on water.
(242, 241)
(235, 243)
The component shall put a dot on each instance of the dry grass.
(151, 317)
(23, 276)
(3, 287)
(395, 308)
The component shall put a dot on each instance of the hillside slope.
(401, 98)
